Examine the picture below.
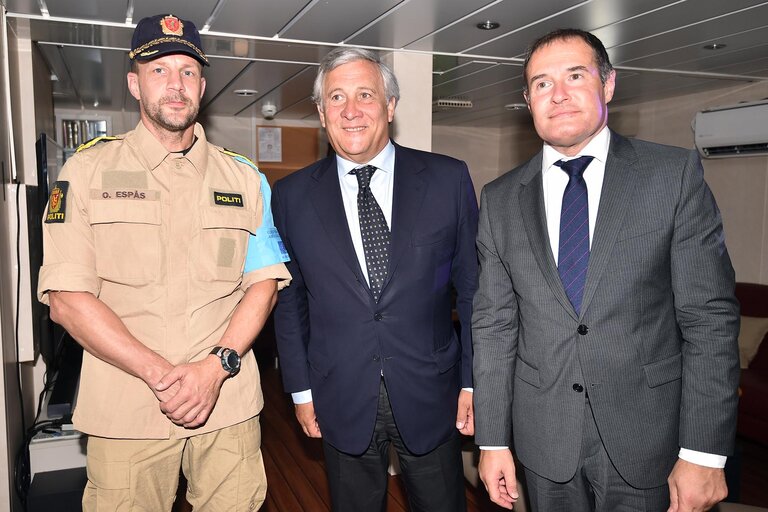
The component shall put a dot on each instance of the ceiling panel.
(264, 78)
(88, 9)
(197, 12)
(483, 66)
(694, 36)
(321, 22)
(465, 36)
(738, 49)
(88, 77)
(677, 17)
(22, 6)
(415, 20)
(266, 20)
(294, 91)
(590, 15)
(477, 85)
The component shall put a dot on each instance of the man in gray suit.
(605, 321)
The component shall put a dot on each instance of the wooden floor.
(296, 476)
(294, 462)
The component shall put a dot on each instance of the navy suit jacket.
(334, 338)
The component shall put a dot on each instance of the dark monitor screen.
(62, 354)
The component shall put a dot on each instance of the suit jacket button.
(377, 317)
(376, 358)
(578, 388)
(582, 329)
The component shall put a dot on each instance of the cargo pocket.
(126, 236)
(252, 484)
(220, 249)
(146, 482)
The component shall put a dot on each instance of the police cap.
(164, 34)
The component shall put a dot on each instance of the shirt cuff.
(493, 447)
(709, 460)
(302, 397)
(67, 277)
(471, 390)
(277, 271)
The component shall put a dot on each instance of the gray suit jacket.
(655, 345)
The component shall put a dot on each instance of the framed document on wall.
(270, 144)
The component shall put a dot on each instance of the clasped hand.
(188, 392)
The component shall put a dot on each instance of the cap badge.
(172, 26)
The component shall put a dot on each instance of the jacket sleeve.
(494, 334)
(464, 271)
(291, 312)
(708, 317)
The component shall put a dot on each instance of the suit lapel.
(618, 183)
(329, 207)
(531, 198)
(408, 195)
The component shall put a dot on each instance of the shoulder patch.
(240, 158)
(94, 141)
(57, 203)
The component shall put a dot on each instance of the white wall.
(740, 185)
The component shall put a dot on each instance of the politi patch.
(228, 199)
(57, 203)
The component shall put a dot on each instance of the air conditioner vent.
(738, 150)
(451, 103)
(732, 131)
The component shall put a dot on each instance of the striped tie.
(573, 253)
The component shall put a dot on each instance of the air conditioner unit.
(735, 130)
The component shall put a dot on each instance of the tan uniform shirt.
(161, 238)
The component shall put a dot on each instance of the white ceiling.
(274, 46)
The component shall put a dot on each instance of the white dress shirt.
(382, 184)
(554, 180)
(381, 187)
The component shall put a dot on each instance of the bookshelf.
(75, 130)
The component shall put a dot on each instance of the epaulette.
(94, 141)
(240, 158)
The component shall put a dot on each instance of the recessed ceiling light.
(245, 92)
(488, 25)
(515, 106)
(715, 46)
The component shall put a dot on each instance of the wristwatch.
(230, 361)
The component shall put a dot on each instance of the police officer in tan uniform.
(162, 261)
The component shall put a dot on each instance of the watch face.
(232, 360)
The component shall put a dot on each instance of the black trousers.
(434, 482)
(596, 486)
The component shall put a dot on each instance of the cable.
(21, 471)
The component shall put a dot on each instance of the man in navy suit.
(379, 237)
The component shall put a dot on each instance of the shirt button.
(582, 329)
(377, 317)
(578, 388)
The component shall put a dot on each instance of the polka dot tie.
(374, 231)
